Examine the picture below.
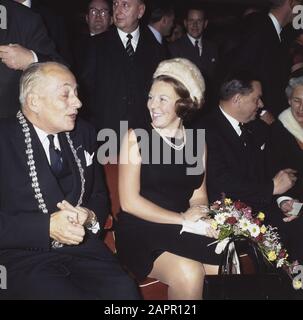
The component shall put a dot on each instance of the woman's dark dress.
(140, 242)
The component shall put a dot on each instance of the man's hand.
(284, 180)
(64, 229)
(268, 118)
(84, 215)
(287, 206)
(16, 57)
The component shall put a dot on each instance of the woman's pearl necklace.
(172, 145)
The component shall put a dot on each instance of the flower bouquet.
(236, 219)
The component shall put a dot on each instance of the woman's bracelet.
(203, 207)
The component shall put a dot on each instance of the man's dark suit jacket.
(25, 28)
(119, 84)
(234, 169)
(24, 229)
(261, 52)
(207, 63)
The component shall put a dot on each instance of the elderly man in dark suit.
(261, 51)
(24, 41)
(236, 160)
(120, 68)
(53, 197)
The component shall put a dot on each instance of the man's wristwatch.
(91, 220)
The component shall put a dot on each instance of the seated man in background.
(53, 197)
(236, 159)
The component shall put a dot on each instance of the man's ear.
(141, 10)
(205, 24)
(32, 102)
(289, 101)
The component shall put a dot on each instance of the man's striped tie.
(129, 48)
(197, 47)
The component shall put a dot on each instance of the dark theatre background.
(224, 17)
(222, 13)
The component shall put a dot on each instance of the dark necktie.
(197, 47)
(244, 136)
(55, 156)
(129, 48)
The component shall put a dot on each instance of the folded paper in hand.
(199, 227)
(295, 209)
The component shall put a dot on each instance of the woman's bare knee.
(183, 276)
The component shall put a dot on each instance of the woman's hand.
(196, 212)
(211, 232)
(202, 227)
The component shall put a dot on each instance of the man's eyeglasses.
(99, 12)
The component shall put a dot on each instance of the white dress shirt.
(276, 24)
(233, 122)
(193, 41)
(156, 33)
(135, 39)
(42, 135)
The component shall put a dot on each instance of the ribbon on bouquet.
(220, 247)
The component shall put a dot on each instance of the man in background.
(23, 42)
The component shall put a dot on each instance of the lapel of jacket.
(206, 59)
(190, 50)
(117, 46)
(272, 30)
(74, 194)
(244, 156)
(228, 130)
(47, 182)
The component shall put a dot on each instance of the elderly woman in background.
(158, 198)
(286, 151)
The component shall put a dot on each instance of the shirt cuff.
(281, 199)
(95, 228)
(263, 113)
(35, 56)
